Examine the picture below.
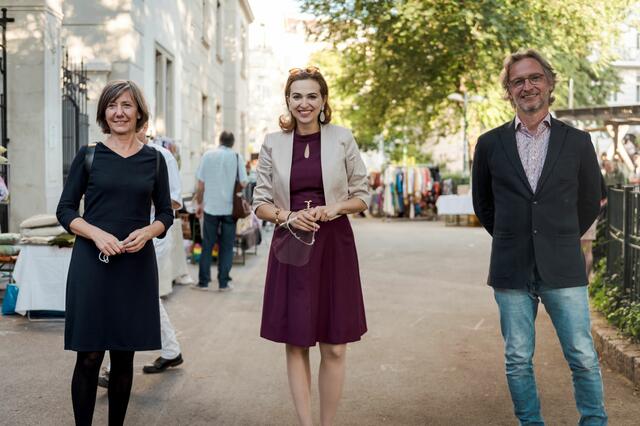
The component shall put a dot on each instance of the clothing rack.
(392, 199)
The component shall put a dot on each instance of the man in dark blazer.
(536, 190)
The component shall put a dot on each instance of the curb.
(615, 350)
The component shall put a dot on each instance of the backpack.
(91, 152)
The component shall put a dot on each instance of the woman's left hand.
(136, 240)
(327, 213)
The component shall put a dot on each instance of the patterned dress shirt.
(532, 148)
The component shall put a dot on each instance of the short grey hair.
(511, 59)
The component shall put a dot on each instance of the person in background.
(588, 238)
(613, 176)
(216, 176)
(112, 284)
(634, 178)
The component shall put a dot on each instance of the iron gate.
(75, 121)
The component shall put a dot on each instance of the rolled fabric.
(9, 238)
(41, 241)
(39, 220)
(6, 250)
(47, 231)
(64, 240)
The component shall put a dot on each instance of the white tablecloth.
(178, 255)
(172, 260)
(41, 275)
(454, 204)
(41, 272)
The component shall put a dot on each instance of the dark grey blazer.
(540, 229)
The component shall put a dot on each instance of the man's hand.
(199, 198)
(136, 240)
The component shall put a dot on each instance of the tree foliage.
(396, 61)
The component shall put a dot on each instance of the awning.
(623, 114)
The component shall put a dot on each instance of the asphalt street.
(432, 356)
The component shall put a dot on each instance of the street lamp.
(465, 99)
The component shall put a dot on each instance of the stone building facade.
(190, 57)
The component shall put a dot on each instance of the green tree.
(396, 61)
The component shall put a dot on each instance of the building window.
(243, 131)
(638, 88)
(164, 109)
(218, 124)
(219, 30)
(204, 127)
(638, 40)
(206, 10)
(243, 50)
(613, 97)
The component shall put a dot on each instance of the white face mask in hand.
(293, 247)
(104, 257)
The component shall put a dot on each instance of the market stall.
(41, 274)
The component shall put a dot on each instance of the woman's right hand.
(106, 243)
(304, 220)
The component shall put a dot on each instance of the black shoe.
(103, 380)
(161, 364)
(200, 287)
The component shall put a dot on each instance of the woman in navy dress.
(310, 176)
(112, 285)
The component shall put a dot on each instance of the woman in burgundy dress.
(310, 176)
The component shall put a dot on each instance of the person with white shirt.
(217, 176)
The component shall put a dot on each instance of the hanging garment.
(388, 196)
(400, 178)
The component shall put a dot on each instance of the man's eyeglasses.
(307, 70)
(535, 79)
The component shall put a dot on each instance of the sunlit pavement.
(432, 356)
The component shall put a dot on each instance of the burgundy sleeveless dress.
(322, 300)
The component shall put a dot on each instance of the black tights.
(84, 385)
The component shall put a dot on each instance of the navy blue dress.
(114, 305)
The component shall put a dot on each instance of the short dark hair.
(511, 59)
(111, 92)
(227, 139)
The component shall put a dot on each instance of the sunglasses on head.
(307, 70)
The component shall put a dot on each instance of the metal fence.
(75, 121)
(4, 134)
(623, 238)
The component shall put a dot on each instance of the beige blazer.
(344, 174)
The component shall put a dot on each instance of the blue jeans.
(569, 312)
(220, 229)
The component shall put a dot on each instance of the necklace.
(306, 151)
